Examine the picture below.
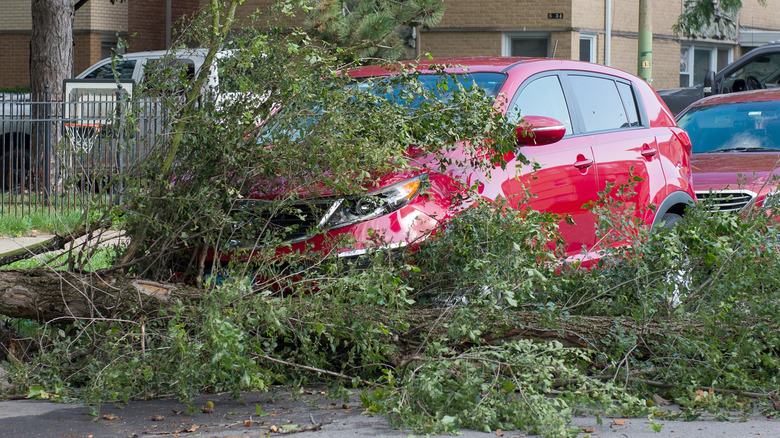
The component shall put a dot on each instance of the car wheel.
(669, 221)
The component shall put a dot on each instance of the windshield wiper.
(743, 149)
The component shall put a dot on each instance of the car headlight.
(771, 200)
(354, 209)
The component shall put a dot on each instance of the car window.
(542, 97)
(124, 70)
(167, 75)
(439, 86)
(185, 67)
(599, 103)
(762, 72)
(629, 103)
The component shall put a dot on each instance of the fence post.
(47, 143)
(120, 97)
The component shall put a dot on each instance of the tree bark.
(51, 61)
(48, 295)
(592, 332)
(51, 45)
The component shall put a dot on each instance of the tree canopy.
(700, 15)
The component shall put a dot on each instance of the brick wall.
(665, 15)
(491, 18)
(589, 14)
(87, 48)
(15, 53)
(625, 15)
(512, 14)
(146, 22)
(249, 7)
(16, 15)
(101, 15)
(453, 44)
(624, 54)
(755, 15)
(568, 45)
(666, 64)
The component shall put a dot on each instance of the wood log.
(44, 295)
(593, 332)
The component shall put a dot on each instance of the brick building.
(97, 27)
(574, 29)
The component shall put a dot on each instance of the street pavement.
(310, 413)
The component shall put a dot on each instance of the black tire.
(14, 161)
(669, 221)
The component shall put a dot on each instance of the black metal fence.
(71, 152)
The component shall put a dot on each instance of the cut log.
(46, 295)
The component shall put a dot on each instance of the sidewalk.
(310, 414)
(9, 244)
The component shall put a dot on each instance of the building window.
(696, 61)
(587, 47)
(527, 44)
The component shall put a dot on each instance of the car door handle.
(583, 162)
(649, 152)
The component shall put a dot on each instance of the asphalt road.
(311, 414)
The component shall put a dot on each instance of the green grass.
(102, 258)
(40, 222)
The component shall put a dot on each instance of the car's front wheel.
(669, 221)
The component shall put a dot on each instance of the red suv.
(593, 125)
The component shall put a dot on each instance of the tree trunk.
(51, 61)
(592, 332)
(47, 295)
(51, 45)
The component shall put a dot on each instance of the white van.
(133, 65)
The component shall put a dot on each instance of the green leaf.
(291, 426)
(448, 420)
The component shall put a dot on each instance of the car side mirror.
(709, 83)
(539, 130)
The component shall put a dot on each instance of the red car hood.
(755, 171)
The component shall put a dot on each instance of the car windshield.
(301, 118)
(733, 127)
(439, 85)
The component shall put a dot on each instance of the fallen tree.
(477, 327)
(46, 296)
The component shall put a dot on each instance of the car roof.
(153, 54)
(741, 97)
(476, 64)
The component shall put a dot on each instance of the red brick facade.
(146, 22)
(87, 49)
(15, 53)
(468, 28)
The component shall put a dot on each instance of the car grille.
(258, 221)
(726, 200)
